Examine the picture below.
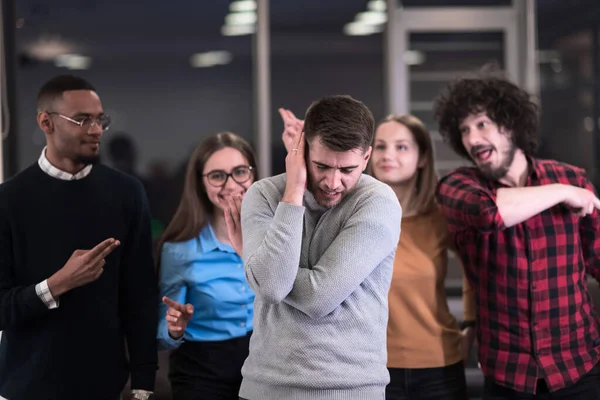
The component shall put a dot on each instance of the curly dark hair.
(507, 105)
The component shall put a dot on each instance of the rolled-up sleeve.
(467, 203)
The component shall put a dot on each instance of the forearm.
(19, 305)
(139, 294)
(140, 320)
(272, 251)
(165, 340)
(516, 205)
(346, 265)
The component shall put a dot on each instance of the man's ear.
(45, 122)
(367, 156)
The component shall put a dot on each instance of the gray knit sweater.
(321, 278)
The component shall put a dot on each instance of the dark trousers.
(208, 370)
(444, 383)
(586, 388)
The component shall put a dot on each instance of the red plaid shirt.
(535, 316)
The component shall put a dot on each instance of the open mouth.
(330, 194)
(483, 155)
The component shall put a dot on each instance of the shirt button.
(243, 288)
(243, 306)
(533, 286)
(239, 265)
(243, 324)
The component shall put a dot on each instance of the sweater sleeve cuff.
(171, 342)
(143, 378)
(44, 294)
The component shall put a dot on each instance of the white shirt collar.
(58, 173)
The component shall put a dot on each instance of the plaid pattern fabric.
(44, 294)
(41, 288)
(59, 174)
(535, 316)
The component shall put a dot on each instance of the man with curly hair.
(528, 231)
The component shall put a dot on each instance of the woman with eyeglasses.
(207, 309)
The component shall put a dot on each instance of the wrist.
(56, 285)
(175, 335)
(293, 196)
(562, 190)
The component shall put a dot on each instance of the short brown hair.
(340, 122)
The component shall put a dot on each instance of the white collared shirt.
(58, 173)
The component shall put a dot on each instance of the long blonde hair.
(427, 178)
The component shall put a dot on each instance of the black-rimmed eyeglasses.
(219, 177)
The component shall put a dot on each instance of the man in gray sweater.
(318, 246)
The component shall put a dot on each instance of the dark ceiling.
(112, 27)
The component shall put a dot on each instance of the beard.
(87, 160)
(314, 188)
(499, 172)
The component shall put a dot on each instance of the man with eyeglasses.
(318, 248)
(76, 272)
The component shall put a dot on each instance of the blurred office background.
(171, 73)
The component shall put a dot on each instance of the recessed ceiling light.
(242, 5)
(361, 29)
(210, 59)
(238, 30)
(73, 61)
(240, 18)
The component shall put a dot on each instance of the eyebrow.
(395, 141)
(222, 170)
(329, 166)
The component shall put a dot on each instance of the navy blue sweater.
(77, 350)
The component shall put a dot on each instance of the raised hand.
(234, 224)
(292, 127)
(295, 168)
(177, 317)
(83, 267)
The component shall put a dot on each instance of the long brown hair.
(195, 208)
(427, 178)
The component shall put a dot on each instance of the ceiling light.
(413, 57)
(361, 29)
(48, 48)
(372, 17)
(240, 18)
(377, 5)
(238, 30)
(73, 61)
(242, 5)
(210, 59)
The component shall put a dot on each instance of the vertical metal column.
(262, 88)
(8, 90)
(528, 39)
(396, 94)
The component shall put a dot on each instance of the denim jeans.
(443, 383)
(586, 388)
